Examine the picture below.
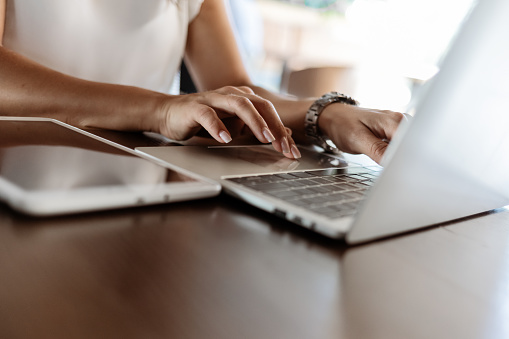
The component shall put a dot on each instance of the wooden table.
(218, 268)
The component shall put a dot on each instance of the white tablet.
(50, 168)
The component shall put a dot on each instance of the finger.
(265, 109)
(235, 90)
(207, 117)
(235, 126)
(283, 142)
(383, 124)
(372, 146)
(242, 107)
(289, 148)
(245, 89)
(259, 115)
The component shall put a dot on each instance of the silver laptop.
(451, 161)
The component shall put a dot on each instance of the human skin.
(226, 105)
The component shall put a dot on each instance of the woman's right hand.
(182, 116)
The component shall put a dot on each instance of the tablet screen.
(47, 168)
(42, 155)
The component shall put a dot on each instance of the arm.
(30, 89)
(214, 61)
(353, 129)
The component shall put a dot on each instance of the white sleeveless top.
(130, 42)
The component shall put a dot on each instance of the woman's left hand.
(360, 130)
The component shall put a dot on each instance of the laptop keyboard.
(332, 192)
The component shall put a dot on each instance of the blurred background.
(378, 51)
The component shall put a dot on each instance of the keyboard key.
(349, 186)
(359, 185)
(321, 189)
(327, 172)
(357, 177)
(320, 181)
(338, 197)
(304, 191)
(350, 178)
(338, 188)
(339, 179)
(271, 186)
(320, 199)
(285, 176)
(354, 194)
(302, 174)
(289, 194)
(305, 182)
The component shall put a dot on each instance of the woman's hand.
(184, 115)
(359, 130)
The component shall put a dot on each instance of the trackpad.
(217, 161)
(267, 157)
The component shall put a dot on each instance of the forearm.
(29, 89)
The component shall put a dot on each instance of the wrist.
(159, 105)
(292, 117)
(116, 107)
(316, 122)
(140, 110)
(329, 117)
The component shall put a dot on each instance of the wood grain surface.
(218, 268)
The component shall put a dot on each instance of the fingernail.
(268, 135)
(285, 146)
(295, 152)
(225, 136)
